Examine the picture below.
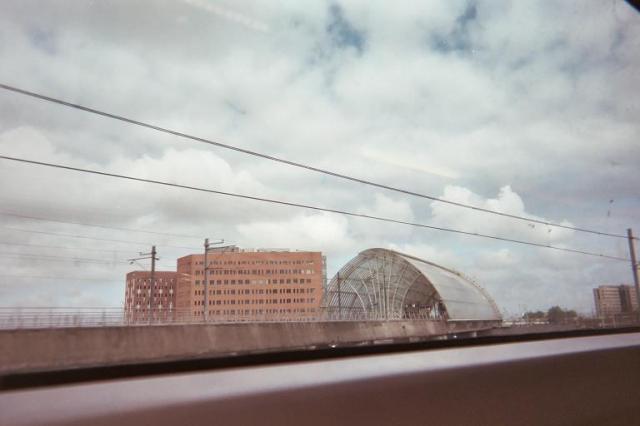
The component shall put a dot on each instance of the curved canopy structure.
(390, 284)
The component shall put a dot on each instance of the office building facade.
(263, 284)
(611, 300)
(147, 300)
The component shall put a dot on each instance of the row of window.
(257, 262)
(148, 280)
(256, 311)
(146, 290)
(146, 287)
(256, 271)
(255, 301)
(259, 282)
(258, 291)
(160, 306)
(144, 297)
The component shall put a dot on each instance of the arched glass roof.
(395, 285)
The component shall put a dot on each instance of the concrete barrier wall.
(50, 349)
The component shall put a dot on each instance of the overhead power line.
(22, 216)
(65, 248)
(60, 234)
(300, 165)
(304, 206)
(75, 259)
(56, 278)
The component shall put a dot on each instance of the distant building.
(251, 284)
(613, 300)
(138, 298)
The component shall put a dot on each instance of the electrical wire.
(75, 259)
(306, 206)
(59, 234)
(22, 216)
(300, 165)
(63, 247)
(56, 278)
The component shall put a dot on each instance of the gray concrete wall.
(529, 329)
(49, 349)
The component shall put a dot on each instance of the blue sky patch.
(342, 32)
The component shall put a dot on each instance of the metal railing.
(37, 318)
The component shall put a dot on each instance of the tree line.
(555, 315)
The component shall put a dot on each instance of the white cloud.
(407, 161)
(496, 259)
(229, 14)
(442, 256)
(385, 206)
(533, 99)
(323, 231)
(508, 202)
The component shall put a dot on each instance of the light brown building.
(613, 300)
(138, 297)
(252, 284)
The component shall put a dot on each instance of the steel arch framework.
(391, 285)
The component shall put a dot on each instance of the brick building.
(138, 289)
(613, 300)
(252, 284)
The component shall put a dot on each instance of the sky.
(527, 108)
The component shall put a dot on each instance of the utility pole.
(634, 266)
(206, 281)
(207, 247)
(152, 256)
(339, 297)
(153, 276)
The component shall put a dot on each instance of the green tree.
(534, 316)
(557, 315)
